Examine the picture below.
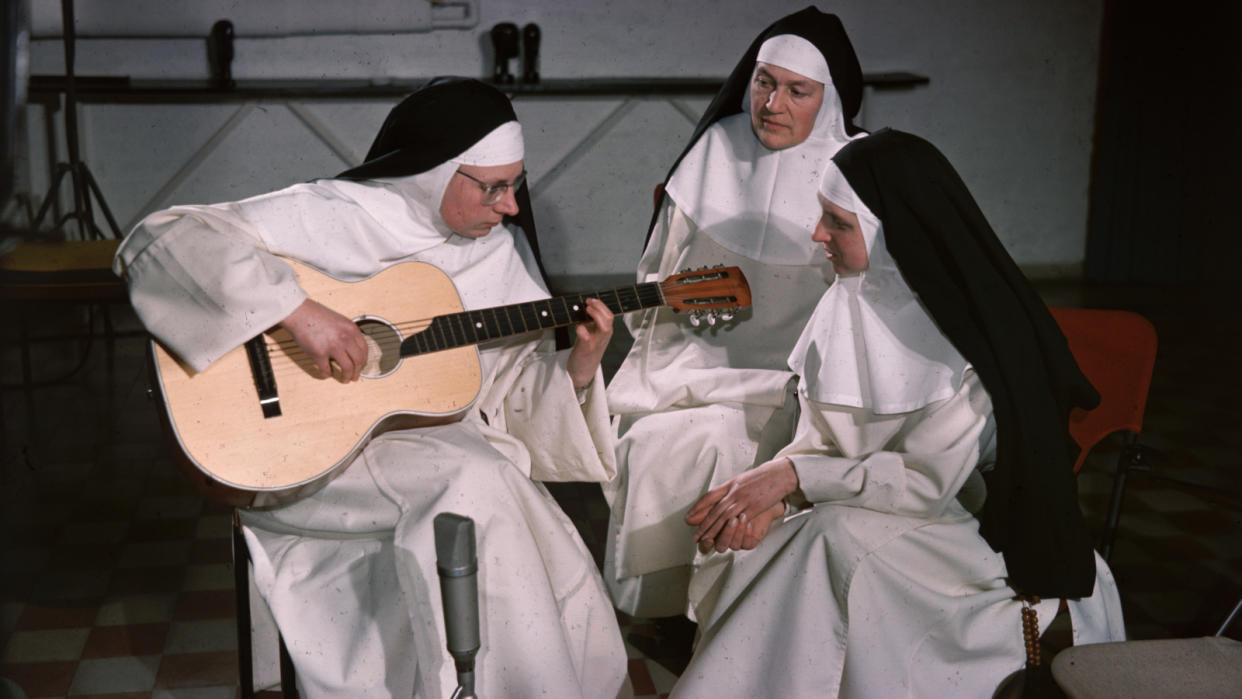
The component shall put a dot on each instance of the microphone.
(457, 564)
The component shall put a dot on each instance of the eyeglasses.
(492, 192)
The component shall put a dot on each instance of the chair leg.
(109, 340)
(1130, 456)
(23, 334)
(288, 689)
(1229, 619)
(245, 657)
(241, 583)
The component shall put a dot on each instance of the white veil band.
(792, 52)
(502, 146)
(424, 191)
(836, 189)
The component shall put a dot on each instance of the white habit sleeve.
(911, 464)
(201, 282)
(566, 441)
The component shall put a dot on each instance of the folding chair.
(1116, 350)
(245, 645)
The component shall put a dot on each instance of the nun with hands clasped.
(926, 505)
(349, 572)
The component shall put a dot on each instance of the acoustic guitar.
(257, 427)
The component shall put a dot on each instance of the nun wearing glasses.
(349, 572)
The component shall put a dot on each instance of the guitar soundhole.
(383, 347)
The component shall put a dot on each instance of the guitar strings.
(413, 327)
(287, 356)
(287, 353)
(406, 330)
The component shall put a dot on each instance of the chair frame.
(1125, 414)
(1133, 457)
(245, 647)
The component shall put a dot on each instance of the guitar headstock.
(707, 290)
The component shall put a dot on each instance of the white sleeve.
(533, 416)
(567, 441)
(660, 258)
(912, 464)
(531, 397)
(202, 283)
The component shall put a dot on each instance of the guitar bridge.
(264, 379)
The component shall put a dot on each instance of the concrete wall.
(1011, 103)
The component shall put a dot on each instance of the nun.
(349, 572)
(696, 403)
(932, 522)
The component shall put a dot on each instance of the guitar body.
(244, 458)
(258, 428)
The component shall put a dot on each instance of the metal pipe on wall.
(194, 18)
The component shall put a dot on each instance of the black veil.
(984, 305)
(436, 123)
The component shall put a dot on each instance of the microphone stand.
(83, 182)
(465, 677)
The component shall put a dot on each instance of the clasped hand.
(737, 514)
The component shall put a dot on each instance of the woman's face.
(464, 208)
(783, 105)
(843, 242)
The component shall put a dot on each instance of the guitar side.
(247, 459)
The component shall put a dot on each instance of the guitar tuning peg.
(696, 318)
(711, 317)
(726, 316)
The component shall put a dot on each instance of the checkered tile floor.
(118, 583)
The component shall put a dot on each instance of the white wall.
(1011, 103)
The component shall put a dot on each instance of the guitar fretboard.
(473, 327)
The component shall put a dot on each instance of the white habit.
(697, 406)
(880, 585)
(350, 572)
(883, 586)
(694, 407)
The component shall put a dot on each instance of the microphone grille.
(455, 550)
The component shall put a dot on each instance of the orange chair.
(1116, 350)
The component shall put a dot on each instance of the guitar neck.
(473, 327)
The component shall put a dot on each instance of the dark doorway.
(1166, 199)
